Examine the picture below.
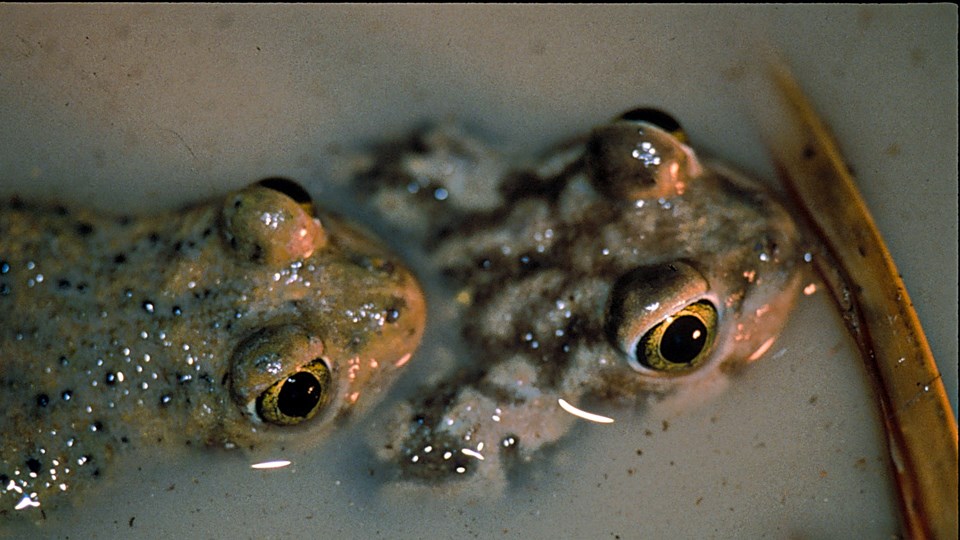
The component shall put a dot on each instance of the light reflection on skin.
(275, 464)
(584, 414)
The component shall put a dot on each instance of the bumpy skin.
(563, 266)
(118, 332)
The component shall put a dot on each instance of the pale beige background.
(141, 108)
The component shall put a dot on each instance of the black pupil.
(653, 116)
(683, 340)
(300, 394)
(288, 187)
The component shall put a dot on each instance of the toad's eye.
(291, 189)
(641, 154)
(658, 118)
(296, 397)
(271, 222)
(681, 341)
(661, 318)
(280, 375)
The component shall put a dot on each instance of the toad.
(619, 267)
(237, 321)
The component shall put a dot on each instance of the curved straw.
(920, 427)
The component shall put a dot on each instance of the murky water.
(192, 101)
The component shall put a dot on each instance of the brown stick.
(921, 430)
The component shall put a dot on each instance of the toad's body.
(223, 324)
(619, 266)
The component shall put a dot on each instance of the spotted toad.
(232, 322)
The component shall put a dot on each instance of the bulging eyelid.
(647, 295)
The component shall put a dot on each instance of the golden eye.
(297, 397)
(663, 318)
(281, 375)
(682, 341)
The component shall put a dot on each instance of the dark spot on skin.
(4, 479)
(392, 315)
(16, 203)
(84, 229)
(528, 264)
(97, 426)
(653, 116)
(96, 472)
(4, 289)
(4, 267)
(288, 187)
(130, 523)
(110, 378)
(43, 400)
(33, 464)
(176, 311)
(60, 210)
(388, 268)
(223, 380)
(153, 238)
(809, 152)
(123, 221)
(207, 232)
(124, 439)
(63, 284)
(119, 258)
(863, 252)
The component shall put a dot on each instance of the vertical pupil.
(299, 395)
(683, 340)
